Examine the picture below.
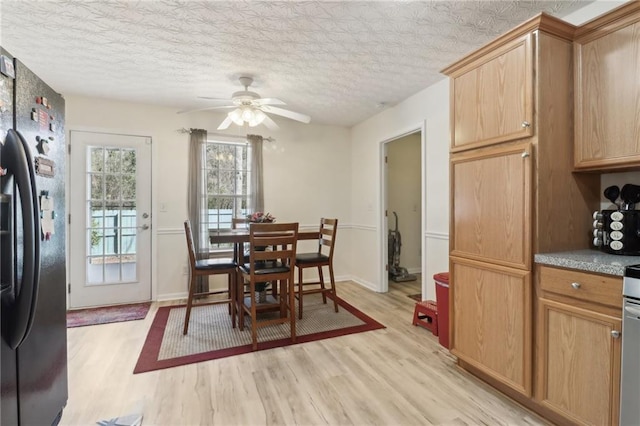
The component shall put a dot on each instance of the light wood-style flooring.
(396, 376)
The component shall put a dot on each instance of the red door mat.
(107, 314)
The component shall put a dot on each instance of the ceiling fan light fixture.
(258, 117)
(247, 114)
(236, 116)
(250, 110)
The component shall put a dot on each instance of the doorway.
(402, 207)
(110, 219)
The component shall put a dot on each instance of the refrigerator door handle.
(16, 159)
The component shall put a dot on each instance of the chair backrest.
(239, 222)
(283, 237)
(328, 229)
(190, 246)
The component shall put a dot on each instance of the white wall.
(404, 196)
(429, 110)
(591, 10)
(306, 171)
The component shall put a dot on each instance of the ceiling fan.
(248, 107)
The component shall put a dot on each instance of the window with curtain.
(227, 176)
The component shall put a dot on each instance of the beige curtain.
(256, 195)
(197, 205)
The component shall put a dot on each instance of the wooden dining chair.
(239, 222)
(207, 267)
(276, 266)
(243, 223)
(319, 259)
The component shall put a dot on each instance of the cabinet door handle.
(525, 124)
(525, 154)
(575, 285)
(615, 334)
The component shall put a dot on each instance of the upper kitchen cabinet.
(607, 91)
(492, 99)
(492, 90)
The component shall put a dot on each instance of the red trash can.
(442, 299)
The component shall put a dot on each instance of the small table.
(240, 236)
(237, 236)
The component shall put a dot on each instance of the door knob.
(145, 215)
(525, 124)
(615, 334)
(144, 227)
(525, 154)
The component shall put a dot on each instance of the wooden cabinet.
(578, 345)
(491, 205)
(607, 90)
(511, 198)
(492, 97)
(493, 321)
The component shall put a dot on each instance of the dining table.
(239, 236)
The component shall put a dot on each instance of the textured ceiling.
(334, 61)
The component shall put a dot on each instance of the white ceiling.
(334, 61)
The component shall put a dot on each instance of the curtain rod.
(183, 130)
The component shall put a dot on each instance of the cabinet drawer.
(580, 285)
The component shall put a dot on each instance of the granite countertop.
(589, 261)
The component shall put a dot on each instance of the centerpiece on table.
(261, 217)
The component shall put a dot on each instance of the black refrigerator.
(32, 248)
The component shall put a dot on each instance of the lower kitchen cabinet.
(492, 320)
(578, 351)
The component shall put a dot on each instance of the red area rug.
(211, 335)
(107, 314)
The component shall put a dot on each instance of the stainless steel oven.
(630, 385)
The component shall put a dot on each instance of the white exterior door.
(110, 229)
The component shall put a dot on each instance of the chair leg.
(282, 291)
(324, 294)
(292, 309)
(299, 293)
(254, 322)
(229, 292)
(232, 297)
(333, 287)
(192, 285)
(240, 299)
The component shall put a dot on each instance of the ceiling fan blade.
(269, 101)
(185, 111)
(270, 124)
(289, 114)
(225, 124)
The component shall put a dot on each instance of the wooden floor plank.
(398, 375)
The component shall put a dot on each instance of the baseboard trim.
(365, 284)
